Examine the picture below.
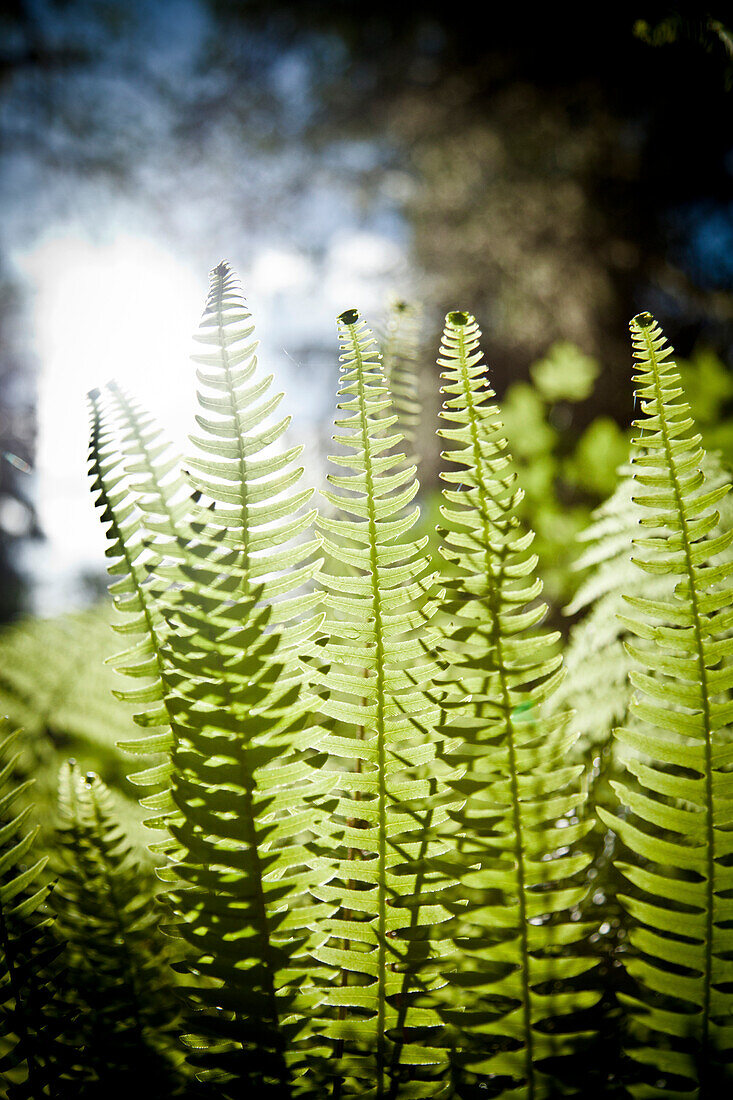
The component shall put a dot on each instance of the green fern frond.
(161, 492)
(116, 959)
(384, 939)
(399, 346)
(245, 781)
(676, 820)
(134, 595)
(596, 687)
(519, 834)
(248, 486)
(29, 1058)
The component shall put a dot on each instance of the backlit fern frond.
(116, 958)
(134, 596)
(244, 785)
(29, 1019)
(399, 346)
(385, 940)
(520, 836)
(151, 462)
(244, 478)
(677, 806)
(597, 688)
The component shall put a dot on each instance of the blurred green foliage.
(56, 686)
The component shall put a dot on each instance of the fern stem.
(353, 822)
(263, 919)
(263, 922)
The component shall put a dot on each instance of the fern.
(160, 490)
(399, 346)
(246, 486)
(676, 822)
(597, 687)
(116, 960)
(375, 828)
(520, 838)
(385, 820)
(243, 785)
(135, 596)
(30, 1058)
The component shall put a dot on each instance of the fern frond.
(161, 492)
(29, 1059)
(519, 834)
(116, 960)
(597, 687)
(248, 486)
(385, 938)
(134, 595)
(399, 346)
(676, 817)
(244, 784)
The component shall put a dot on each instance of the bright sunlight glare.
(122, 310)
(126, 309)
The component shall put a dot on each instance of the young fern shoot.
(679, 750)
(518, 834)
(384, 939)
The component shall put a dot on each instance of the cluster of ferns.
(373, 834)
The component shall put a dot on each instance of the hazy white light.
(123, 310)
(365, 254)
(275, 270)
(359, 267)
